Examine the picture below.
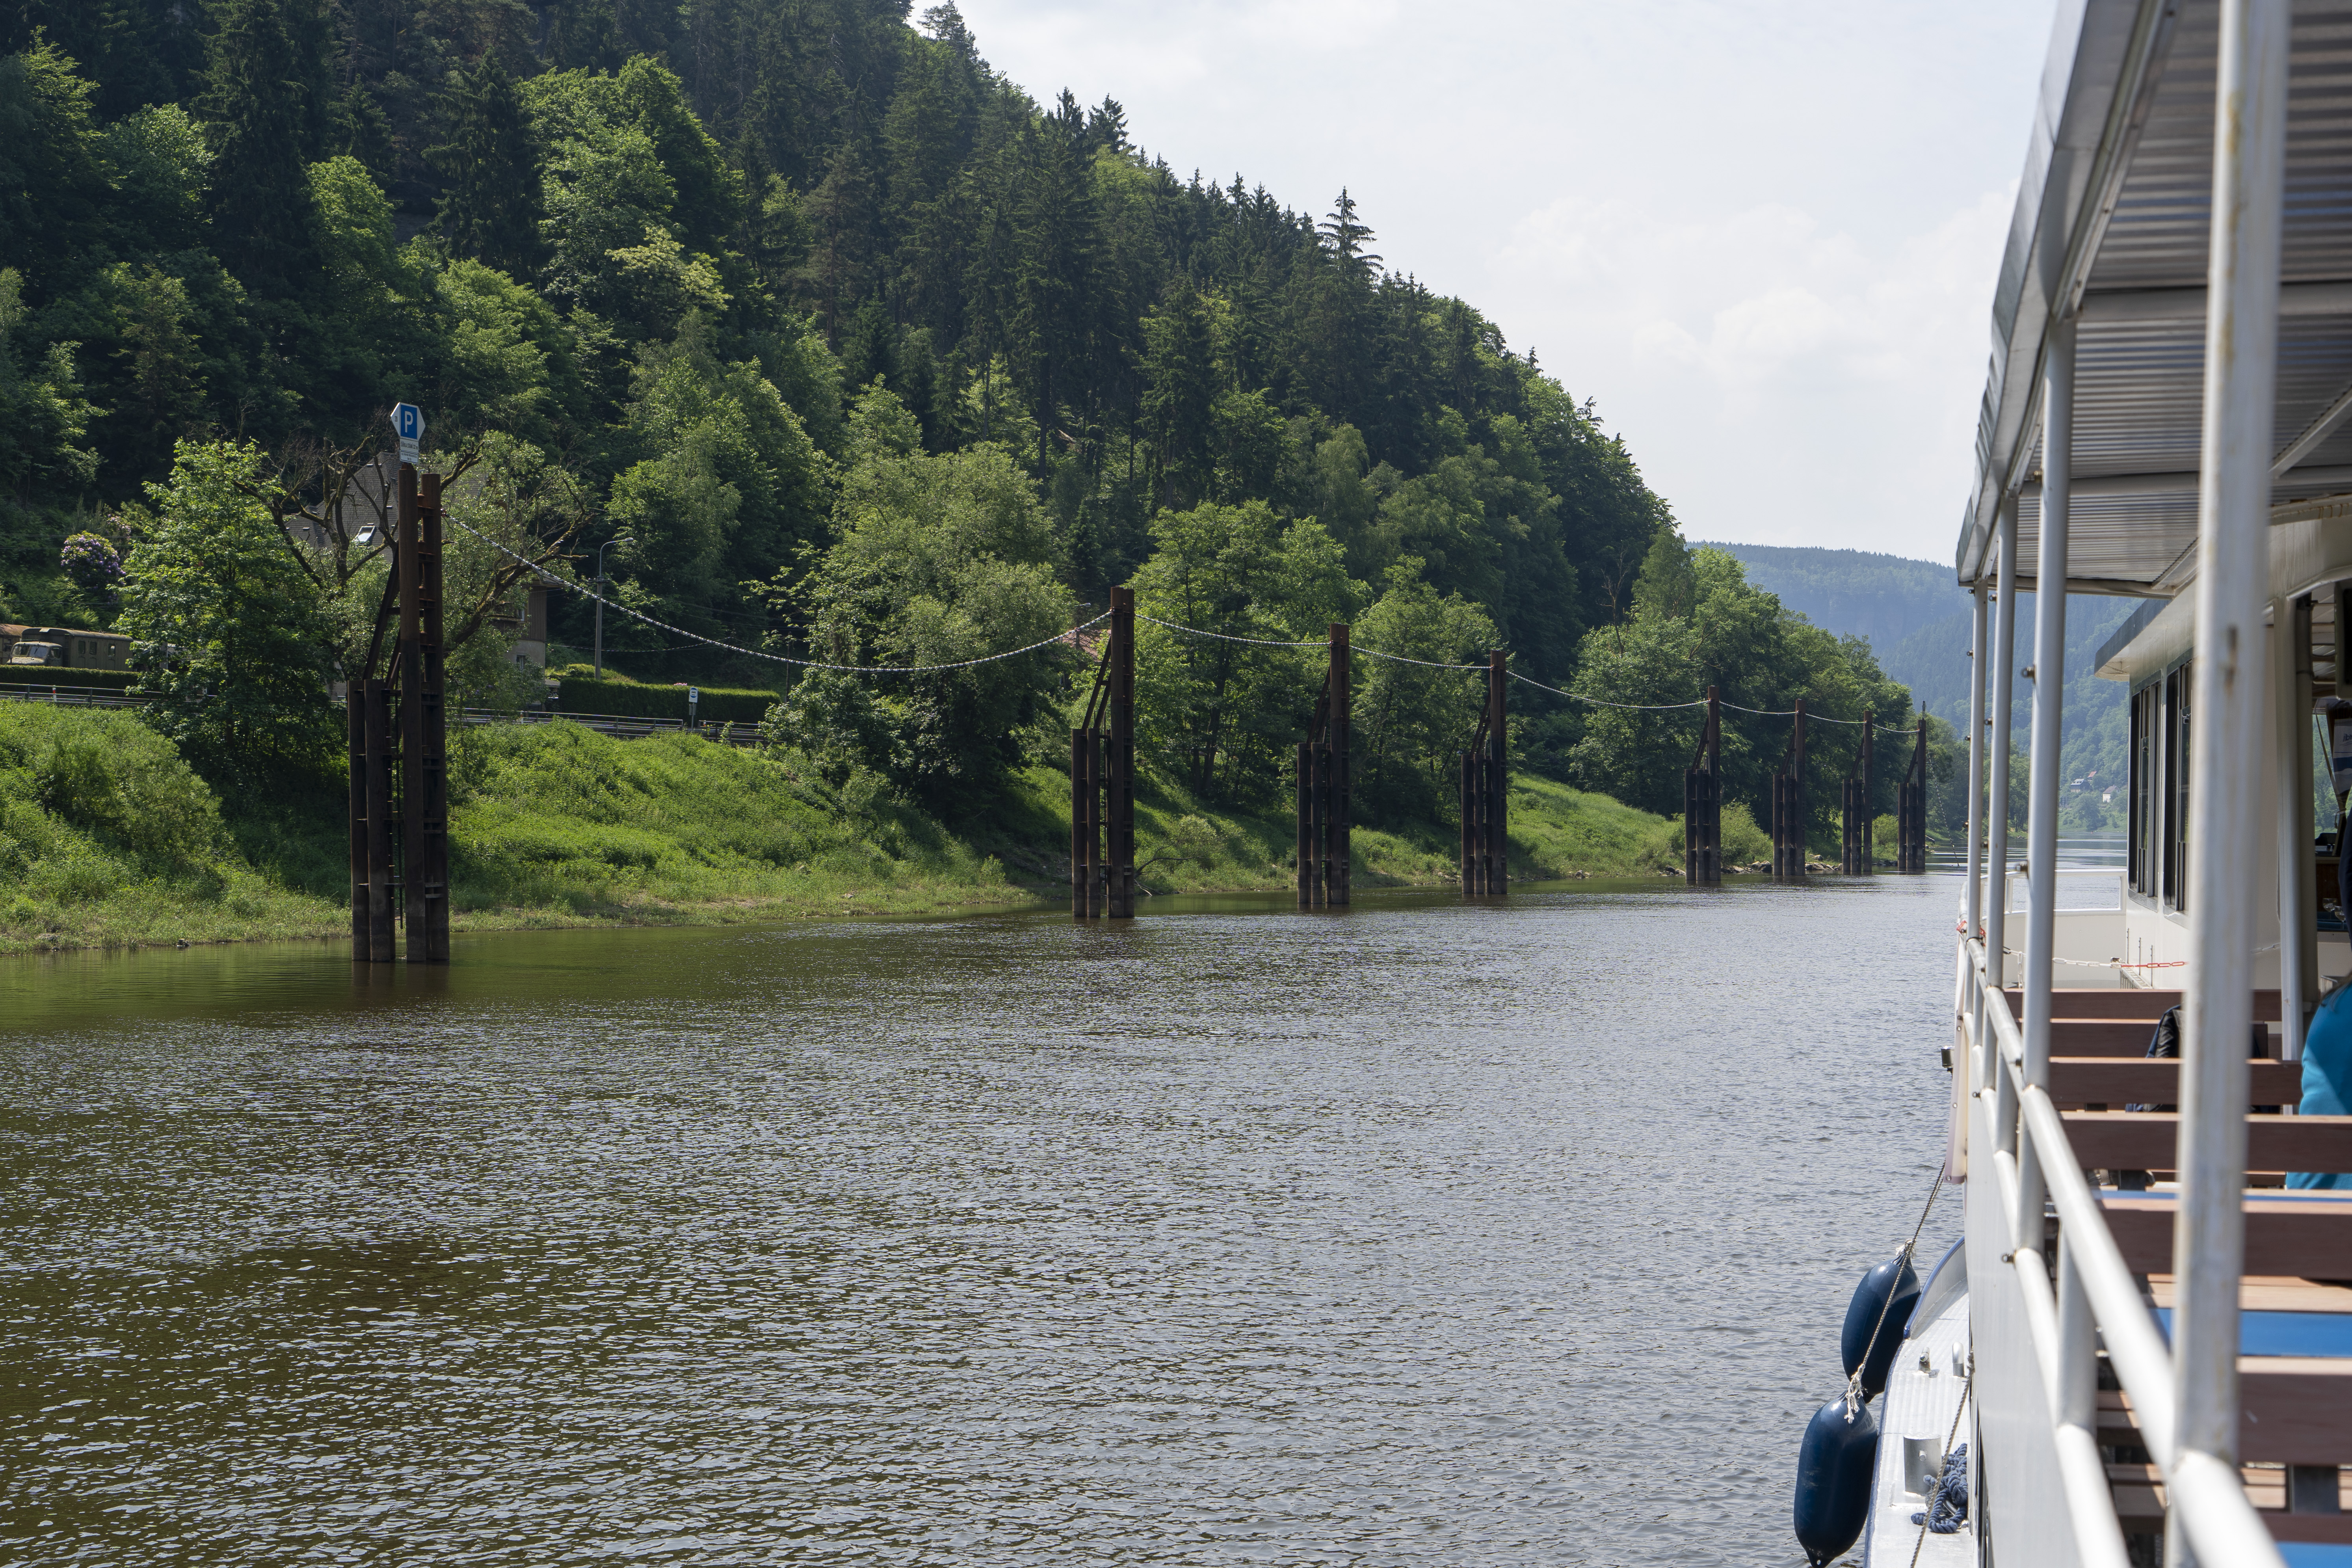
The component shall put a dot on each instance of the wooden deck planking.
(2127, 1002)
(2268, 1293)
(2075, 1081)
(2150, 1140)
(2307, 1236)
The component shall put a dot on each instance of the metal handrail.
(2207, 1496)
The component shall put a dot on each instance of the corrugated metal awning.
(2112, 223)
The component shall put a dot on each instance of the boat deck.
(1915, 1420)
(2295, 1334)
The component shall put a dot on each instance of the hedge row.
(627, 699)
(60, 674)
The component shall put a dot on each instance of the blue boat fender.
(1871, 1312)
(1833, 1471)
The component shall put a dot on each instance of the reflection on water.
(1422, 1233)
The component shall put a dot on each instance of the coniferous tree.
(310, 34)
(1054, 287)
(260, 190)
(1180, 394)
(581, 34)
(493, 209)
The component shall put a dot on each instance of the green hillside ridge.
(850, 367)
(108, 839)
(1918, 622)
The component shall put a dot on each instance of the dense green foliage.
(1698, 623)
(850, 348)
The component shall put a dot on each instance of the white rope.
(2117, 963)
(1069, 635)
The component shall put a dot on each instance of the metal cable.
(1071, 636)
(778, 658)
(1307, 642)
(1598, 703)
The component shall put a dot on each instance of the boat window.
(2176, 787)
(2140, 839)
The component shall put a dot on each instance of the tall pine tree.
(493, 206)
(255, 102)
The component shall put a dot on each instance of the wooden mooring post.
(1854, 808)
(1486, 795)
(1323, 849)
(1789, 804)
(1102, 779)
(424, 730)
(1911, 808)
(1703, 803)
(374, 886)
(393, 854)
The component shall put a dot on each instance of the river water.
(1419, 1234)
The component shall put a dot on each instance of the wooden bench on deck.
(2296, 1408)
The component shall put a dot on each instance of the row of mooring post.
(1789, 803)
(1911, 808)
(1486, 795)
(1324, 844)
(1703, 803)
(399, 756)
(1854, 808)
(1102, 779)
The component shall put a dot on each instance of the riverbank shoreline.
(112, 842)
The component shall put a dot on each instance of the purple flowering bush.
(94, 567)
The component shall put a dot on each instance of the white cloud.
(1762, 235)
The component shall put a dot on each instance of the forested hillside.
(825, 339)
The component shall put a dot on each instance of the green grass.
(108, 839)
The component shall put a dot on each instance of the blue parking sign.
(408, 423)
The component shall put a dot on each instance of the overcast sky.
(1762, 235)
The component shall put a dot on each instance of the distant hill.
(1856, 592)
(1918, 620)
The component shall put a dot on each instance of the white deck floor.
(1919, 1405)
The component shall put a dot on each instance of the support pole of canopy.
(2003, 677)
(2298, 899)
(1972, 909)
(2045, 777)
(2232, 585)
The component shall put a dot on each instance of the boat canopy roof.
(2112, 230)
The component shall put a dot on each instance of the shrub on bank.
(631, 700)
(45, 676)
(106, 837)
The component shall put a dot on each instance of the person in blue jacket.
(2327, 1076)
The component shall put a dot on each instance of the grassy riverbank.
(108, 838)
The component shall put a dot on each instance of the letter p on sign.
(408, 425)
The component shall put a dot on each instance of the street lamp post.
(616, 539)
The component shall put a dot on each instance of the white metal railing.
(2095, 1300)
(65, 694)
(621, 726)
(2080, 889)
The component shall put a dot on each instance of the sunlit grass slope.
(108, 838)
